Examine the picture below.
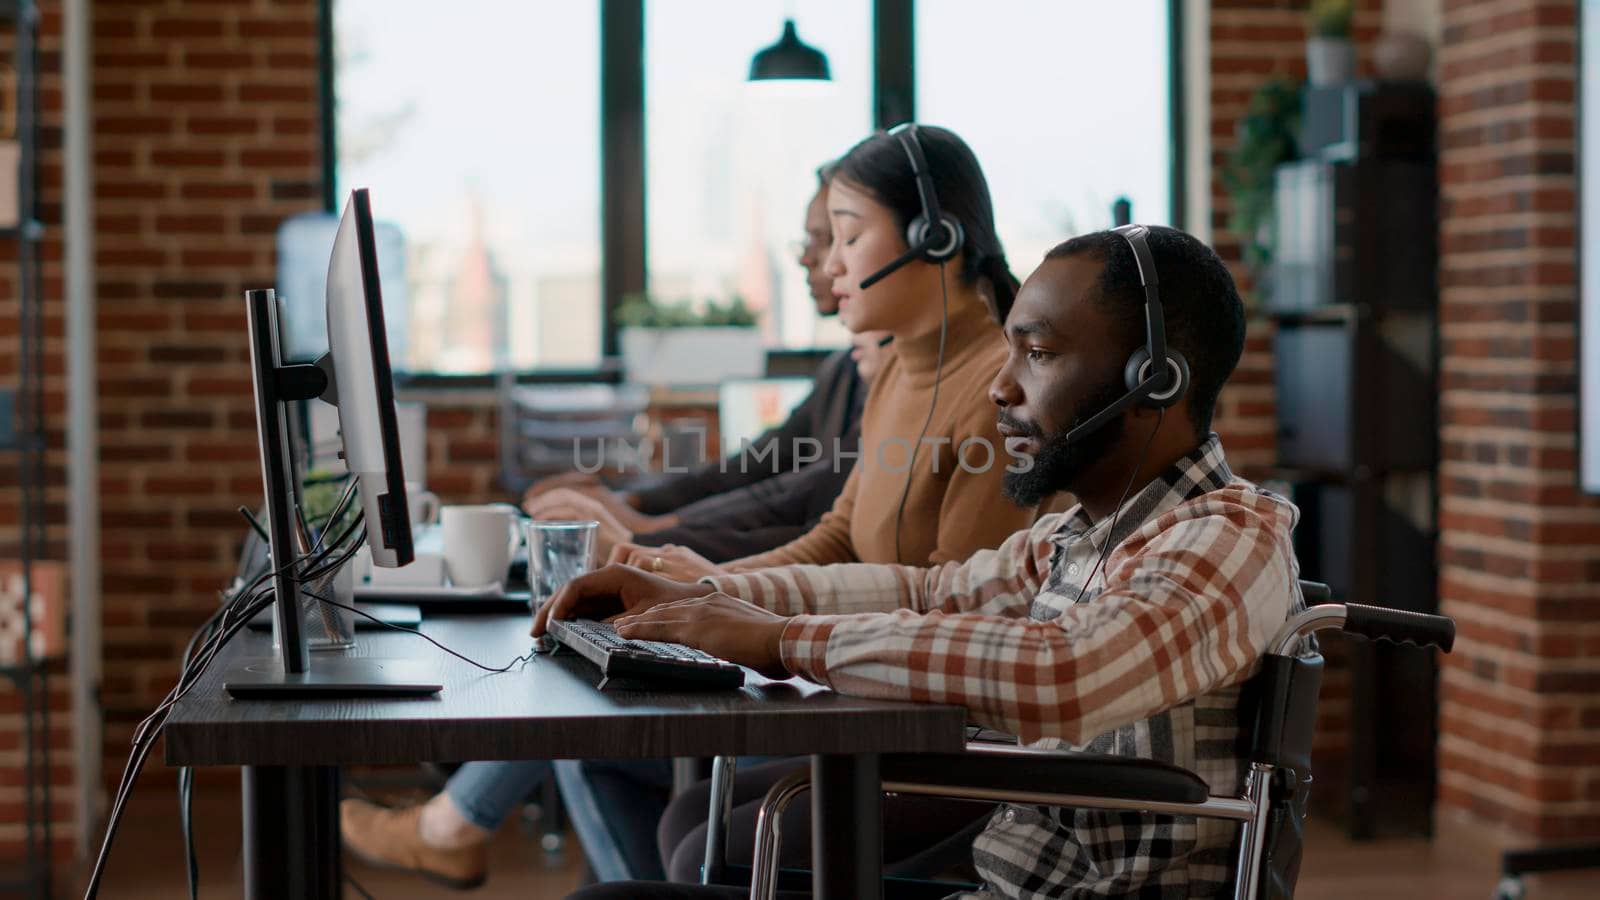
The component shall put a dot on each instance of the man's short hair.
(1203, 312)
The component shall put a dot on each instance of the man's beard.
(1058, 463)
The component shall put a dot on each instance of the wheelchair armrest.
(1004, 768)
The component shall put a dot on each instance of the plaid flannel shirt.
(1146, 664)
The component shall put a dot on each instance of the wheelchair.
(1278, 715)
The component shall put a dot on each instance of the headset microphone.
(917, 251)
(885, 341)
(931, 236)
(1156, 389)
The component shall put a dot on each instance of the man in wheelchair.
(1122, 626)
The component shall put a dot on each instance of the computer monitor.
(323, 449)
(354, 376)
(364, 385)
(303, 246)
(747, 407)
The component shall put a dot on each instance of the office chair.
(547, 429)
(1278, 709)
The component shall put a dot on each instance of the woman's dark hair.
(879, 166)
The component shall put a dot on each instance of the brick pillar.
(1251, 42)
(1520, 743)
(206, 120)
(59, 738)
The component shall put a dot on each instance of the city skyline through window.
(477, 128)
(732, 164)
(478, 133)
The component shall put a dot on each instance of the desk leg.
(291, 832)
(846, 828)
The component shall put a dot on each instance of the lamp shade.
(789, 59)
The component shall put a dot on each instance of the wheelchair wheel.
(1510, 888)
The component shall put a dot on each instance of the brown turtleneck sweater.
(950, 512)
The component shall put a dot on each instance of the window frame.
(623, 257)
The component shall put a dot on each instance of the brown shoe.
(389, 838)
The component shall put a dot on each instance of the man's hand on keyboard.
(723, 626)
(609, 591)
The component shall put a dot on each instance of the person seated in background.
(759, 516)
(723, 512)
(926, 489)
(770, 492)
(1125, 625)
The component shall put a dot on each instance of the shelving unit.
(1354, 297)
(23, 447)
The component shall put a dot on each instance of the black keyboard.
(650, 663)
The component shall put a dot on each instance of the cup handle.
(428, 502)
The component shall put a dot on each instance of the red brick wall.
(1251, 42)
(463, 448)
(12, 752)
(206, 138)
(206, 121)
(1521, 693)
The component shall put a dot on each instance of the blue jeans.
(486, 792)
(614, 805)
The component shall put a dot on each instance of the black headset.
(935, 238)
(931, 236)
(1147, 386)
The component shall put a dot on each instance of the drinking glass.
(558, 551)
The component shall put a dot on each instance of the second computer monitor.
(359, 345)
(746, 407)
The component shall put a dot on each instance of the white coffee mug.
(479, 542)
(422, 504)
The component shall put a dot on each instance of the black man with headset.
(1124, 625)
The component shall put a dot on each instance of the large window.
(731, 164)
(1065, 104)
(476, 124)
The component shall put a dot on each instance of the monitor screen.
(324, 448)
(304, 244)
(364, 384)
(748, 406)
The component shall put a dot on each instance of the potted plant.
(675, 344)
(1266, 140)
(1330, 56)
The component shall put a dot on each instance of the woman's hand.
(630, 518)
(609, 591)
(567, 504)
(570, 480)
(670, 560)
(723, 626)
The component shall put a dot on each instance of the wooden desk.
(547, 709)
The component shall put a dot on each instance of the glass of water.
(557, 553)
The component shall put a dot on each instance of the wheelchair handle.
(1399, 626)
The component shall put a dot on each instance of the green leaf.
(1266, 138)
(642, 311)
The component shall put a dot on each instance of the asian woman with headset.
(915, 254)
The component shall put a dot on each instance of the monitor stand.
(292, 674)
(402, 615)
(334, 676)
